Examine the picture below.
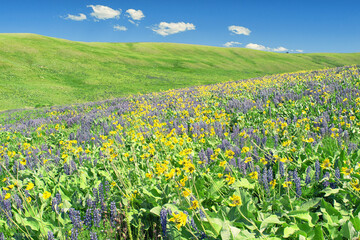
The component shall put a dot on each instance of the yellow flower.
(29, 186)
(346, 171)
(195, 204)
(113, 184)
(46, 195)
(222, 164)
(220, 175)
(189, 167)
(273, 183)
(229, 179)
(254, 175)
(23, 162)
(148, 175)
(7, 196)
(248, 159)
(179, 219)
(263, 161)
(4, 179)
(170, 174)
(11, 186)
(229, 154)
(28, 199)
(186, 192)
(286, 184)
(355, 184)
(236, 201)
(245, 149)
(183, 181)
(326, 164)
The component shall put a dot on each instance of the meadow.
(38, 71)
(274, 157)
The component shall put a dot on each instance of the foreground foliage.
(273, 157)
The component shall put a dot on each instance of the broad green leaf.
(243, 183)
(318, 233)
(290, 230)
(272, 219)
(356, 223)
(156, 210)
(303, 215)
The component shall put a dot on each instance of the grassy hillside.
(42, 71)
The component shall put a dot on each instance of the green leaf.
(290, 230)
(243, 183)
(303, 215)
(309, 204)
(318, 233)
(32, 223)
(356, 223)
(272, 219)
(156, 210)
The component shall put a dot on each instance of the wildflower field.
(266, 158)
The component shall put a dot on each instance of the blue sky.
(282, 25)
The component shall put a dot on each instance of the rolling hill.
(40, 71)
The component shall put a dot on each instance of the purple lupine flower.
(257, 169)
(88, 218)
(50, 235)
(308, 179)
(95, 195)
(326, 179)
(265, 180)
(58, 198)
(202, 214)
(113, 214)
(93, 236)
(18, 202)
(297, 184)
(75, 218)
(73, 166)
(107, 187)
(74, 234)
(163, 221)
(67, 169)
(281, 169)
(97, 217)
(2, 237)
(54, 204)
(101, 193)
(270, 174)
(193, 224)
(317, 170)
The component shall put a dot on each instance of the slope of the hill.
(39, 71)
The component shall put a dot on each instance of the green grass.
(40, 71)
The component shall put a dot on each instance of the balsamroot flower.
(235, 201)
(46, 195)
(179, 219)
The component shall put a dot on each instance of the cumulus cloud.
(257, 47)
(280, 49)
(264, 48)
(103, 12)
(135, 14)
(81, 17)
(120, 28)
(239, 30)
(300, 51)
(165, 28)
(232, 44)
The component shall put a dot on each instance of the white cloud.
(81, 17)
(239, 30)
(104, 12)
(257, 47)
(165, 28)
(300, 51)
(135, 14)
(280, 49)
(264, 48)
(232, 44)
(120, 28)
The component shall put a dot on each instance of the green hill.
(41, 71)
